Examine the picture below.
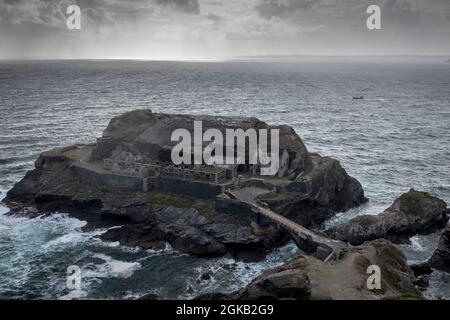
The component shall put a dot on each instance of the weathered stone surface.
(412, 213)
(187, 230)
(440, 260)
(327, 189)
(143, 130)
(287, 284)
(441, 257)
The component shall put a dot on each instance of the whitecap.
(111, 268)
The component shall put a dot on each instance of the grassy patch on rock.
(361, 263)
(160, 200)
(366, 220)
(205, 207)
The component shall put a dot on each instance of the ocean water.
(397, 137)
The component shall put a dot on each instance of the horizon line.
(231, 58)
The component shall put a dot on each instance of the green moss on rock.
(160, 200)
(411, 202)
(361, 263)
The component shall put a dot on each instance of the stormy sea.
(394, 136)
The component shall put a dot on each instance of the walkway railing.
(331, 248)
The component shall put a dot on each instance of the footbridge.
(312, 243)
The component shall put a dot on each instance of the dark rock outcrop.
(440, 260)
(145, 132)
(412, 213)
(441, 257)
(318, 193)
(187, 230)
(284, 284)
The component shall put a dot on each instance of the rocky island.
(126, 180)
(412, 213)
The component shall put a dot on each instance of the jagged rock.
(325, 189)
(190, 290)
(143, 130)
(286, 284)
(187, 230)
(441, 257)
(412, 213)
(206, 275)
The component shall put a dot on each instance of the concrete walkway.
(317, 245)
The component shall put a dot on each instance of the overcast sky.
(186, 29)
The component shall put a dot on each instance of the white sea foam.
(111, 268)
(228, 280)
(168, 249)
(416, 244)
(421, 247)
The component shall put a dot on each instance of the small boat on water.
(359, 97)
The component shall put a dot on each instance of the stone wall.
(191, 188)
(109, 179)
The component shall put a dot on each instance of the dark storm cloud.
(51, 13)
(41, 12)
(407, 13)
(283, 9)
(187, 6)
(222, 27)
